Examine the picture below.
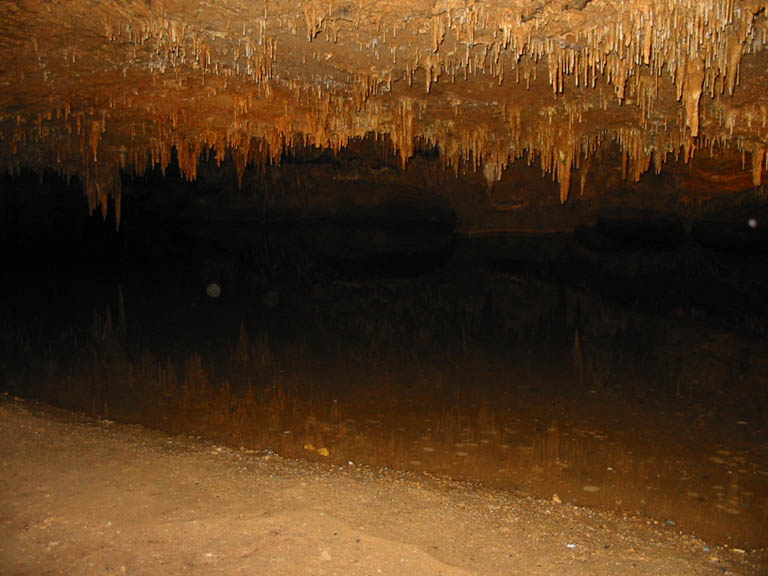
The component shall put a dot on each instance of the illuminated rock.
(93, 89)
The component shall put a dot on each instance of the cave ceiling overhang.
(96, 88)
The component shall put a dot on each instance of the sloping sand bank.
(80, 496)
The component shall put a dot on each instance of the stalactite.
(758, 160)
(565, 159)
(494, 80)
(403, 130)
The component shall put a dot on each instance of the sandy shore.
(81, 496)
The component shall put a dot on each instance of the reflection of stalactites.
(733, 496)
(551, 447)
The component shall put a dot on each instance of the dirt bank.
(81, 496)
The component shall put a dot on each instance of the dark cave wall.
(709, 199)
(365, 180)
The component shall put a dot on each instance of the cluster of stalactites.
(559, 151)
(697, 44)
(629, 46)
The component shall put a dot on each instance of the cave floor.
(91, 496)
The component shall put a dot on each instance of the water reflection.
(486, 373)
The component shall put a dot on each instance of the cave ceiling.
(102, 88)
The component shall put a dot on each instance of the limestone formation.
(99, 88)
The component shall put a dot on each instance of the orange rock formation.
(96, 88)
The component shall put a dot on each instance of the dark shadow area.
(741, 239)
(633, 233)
(621, 366)
(379, 247)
